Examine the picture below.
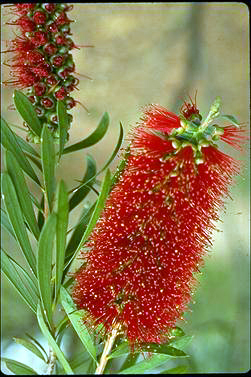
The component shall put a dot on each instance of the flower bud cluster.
(42, 61)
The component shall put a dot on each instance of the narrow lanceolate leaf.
(163, 349)
(181, 342)
(117, 148)
(30, 346)
(79, 364)
(109, 161)
(121, 350)
(232, 119)
(22, 191)
(35, 161)
(27, 112)
(46, 332)
(20, 279)
(75, 240)
(6, 223)
(61, 327)
(96, 136)
(16, 219)
(85, 188)
(27, 147)
(98, 209)
(63, 122)
(10, 142)
(99, 205)
(44, 262)
(48, 163)
(180, 369)
(38, 345)
(40, 216)
(146, 365)
(121, 167)
(36, 202)
(76, 319)
(78, 232)
(130, 360)
(61, 232)
(18, 368)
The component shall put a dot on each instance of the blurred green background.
(161, 53)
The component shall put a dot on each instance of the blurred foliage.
(159, 53)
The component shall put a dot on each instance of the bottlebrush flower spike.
(42, 61)
(157, 223)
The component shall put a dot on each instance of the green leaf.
(96, 136)
(81, 367)
(48, 163)
(121, 167)
(131, 360)
(63, 324)
(35, 161)
(176, 332)
(79, 359)
(18, 368)
(231, 119)
(180, 369)
(31, 347)
(46, 332)
(40, 217)
(22, 191)
(76, 319)
(39, 346)
(181, 342)
(99, 205)
(121, 350)
(63, 122)
(6, 224)
(81, 192)
(10, 142)
(78, 232)
(25, 146)
(117, 148)
(164, 349)
(61, 231)
(79, 364)
(44, 263)
(27, 112)
(155, 361)
(16, 219)
(118, 145)
(20, 279)
(36, 202)
(98, 209)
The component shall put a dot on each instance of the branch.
(107, 349)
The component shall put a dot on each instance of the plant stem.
(52, 356)
(108, 346)
(51, 362)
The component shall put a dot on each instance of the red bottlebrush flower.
(157, 223)
(42, 61)
(39, 18)
(39, 38)
(39, 88)
(26, 24)
(24, 8)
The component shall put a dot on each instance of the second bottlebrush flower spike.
(42, 61)
(157, 223)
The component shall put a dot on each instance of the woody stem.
(107, 349)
